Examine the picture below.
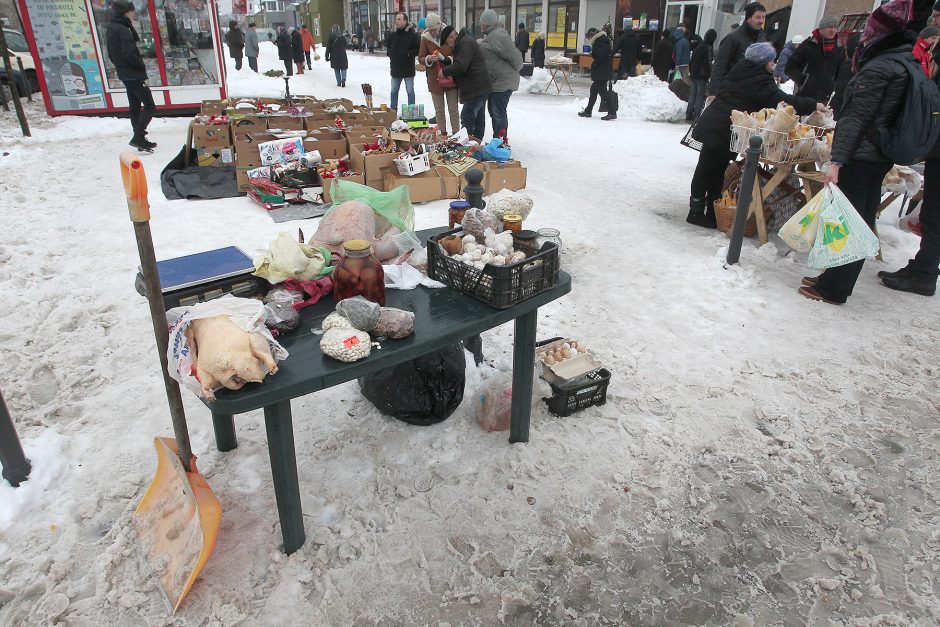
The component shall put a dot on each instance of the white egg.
(478, 265)
(550, 360)
(486, 258)
(566, 346)
(469, 239)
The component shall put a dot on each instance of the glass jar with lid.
(456, 212)
(512, 222)
(359, 273)
(549, 235)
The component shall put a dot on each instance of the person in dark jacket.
(522, 40)
(749, 87)
(629, 48)
(919, 276)
(235, 39)
(816, 62)
(251, 46)
(873, 99)
(285, 51)
(700, 70)
(662, 57)
(336, 55)
(468, 67)
(297, 49)
(122, 41)
(682, 53)
(784, 57)
(538, 50)
(735, 43)
(602, 70)
(844, 75)
(402, 49)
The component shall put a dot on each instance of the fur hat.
(433, 20)
(489, 18)
(752, 8)
(888, 18)
(828, 22)
(762, 52)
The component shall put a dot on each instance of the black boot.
(585, 114)
(916, 284)
(610, 116)
(139, 142)
(903, 273)
(697, 214)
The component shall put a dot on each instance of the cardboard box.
(281, 150)
(212, 107)
(370, 165)
(332, 145)
(246, 148)
(244, 174)
(507, 175)
(287, 122)
(453, 184)
(209, 135)
(332, 102)
(327, 182)
(364, 134)
(385, 118)
(242, 124)
(422, 187)
(215, 156)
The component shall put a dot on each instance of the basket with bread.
(785, 138)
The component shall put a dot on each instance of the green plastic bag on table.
(799, 232)
(392, 208)
(842, 237)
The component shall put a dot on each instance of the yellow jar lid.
(512, 217)
(357, 244)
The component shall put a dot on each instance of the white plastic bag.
(492, 403)
(842, 236)
(799, 232)
(404, 276)
(911, 222)
(246, 313)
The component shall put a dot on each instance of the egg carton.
(569, 369)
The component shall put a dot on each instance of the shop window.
(529, 12)
(503, 8)
(186, 38)
(143, 24)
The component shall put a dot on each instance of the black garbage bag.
(423, 391)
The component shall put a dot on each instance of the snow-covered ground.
(761, 459)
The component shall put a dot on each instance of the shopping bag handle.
(135, 187)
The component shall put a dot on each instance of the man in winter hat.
(122, 41)
(734, 44)
(924, 46)
(504, 62)
(815, 63)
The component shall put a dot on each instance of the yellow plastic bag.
(289, 259)
(799, 232)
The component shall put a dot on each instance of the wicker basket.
(725, 214)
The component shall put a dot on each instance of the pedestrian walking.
(309, 44)
(733, 46)
(538, 50)
(235, 39)
(504, 62)
(602, 71)
(700, 70)
(402, 49)
(297, 49)
(360, 41)
(522, 40)
(682, 53)
(336, 55)
(251, 46)
(629, 48)
(816, 62)
(122, 41)
(662, 56)
(285, 50)
(445, 98)
(370, 39)
(468, 67)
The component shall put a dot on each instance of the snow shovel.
(178, 518)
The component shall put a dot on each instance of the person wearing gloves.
(252, 50)
(402, 48)
(923, 49)
(122, 41)
(468, 67)
(788, 49)
(682, 52)
(431, 47)
(873, 99)
(310, 45)
(815, 64)
(602, 70)
(336, 55)
(235, 39)
(919, 276)
(504, 62)
(732, 47)
(748, 87)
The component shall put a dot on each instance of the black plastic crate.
(497, 286)
(567, 399)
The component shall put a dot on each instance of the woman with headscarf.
(431, 46)
(297, 49)
(748, 87)
(336, 55)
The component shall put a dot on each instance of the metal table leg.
(224, 426)
(280, 430)
(523, 358)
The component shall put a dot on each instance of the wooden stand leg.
(757, 209)
(523, 355)
(280, 430)
(224, 426)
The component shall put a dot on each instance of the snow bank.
(648, 98)
(539, 81)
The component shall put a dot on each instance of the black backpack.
(917, 127)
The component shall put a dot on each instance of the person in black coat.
(662, 57)
(336, 55)
(873, 99)
(402, 48)
(749, 87)
(297, 49)
(602, 70)
(629, 48)
(538, 50)
(468, 67)
(813, 66)
(235, 39)
(844, 75)
(285, 51)
(122, 38)
(522, 40)
(700, 70)
(732, 47)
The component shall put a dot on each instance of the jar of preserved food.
(512, 222)
(456, 212)
(525, 238)
(359, 273)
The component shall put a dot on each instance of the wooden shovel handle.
(135, 187)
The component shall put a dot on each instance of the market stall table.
(442, 316)
(557, 69)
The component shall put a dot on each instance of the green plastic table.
(442, 316)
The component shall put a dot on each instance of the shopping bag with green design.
(842, 237)
(799, 232)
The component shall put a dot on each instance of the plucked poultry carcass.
(224, 354)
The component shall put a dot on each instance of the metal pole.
(15, 465)
(29, 87)
(752, 157)
(20, 114)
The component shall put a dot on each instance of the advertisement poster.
(67, 53)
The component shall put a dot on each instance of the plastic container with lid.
(456, 212)
(359, 273)
(512, 222)
(525, 237)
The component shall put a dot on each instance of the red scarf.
(828, 45)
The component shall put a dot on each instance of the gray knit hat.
(762, 52)
(830, 21)
(489, 18)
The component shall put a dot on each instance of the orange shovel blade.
(178, 522)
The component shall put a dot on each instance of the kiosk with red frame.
(179, 40)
